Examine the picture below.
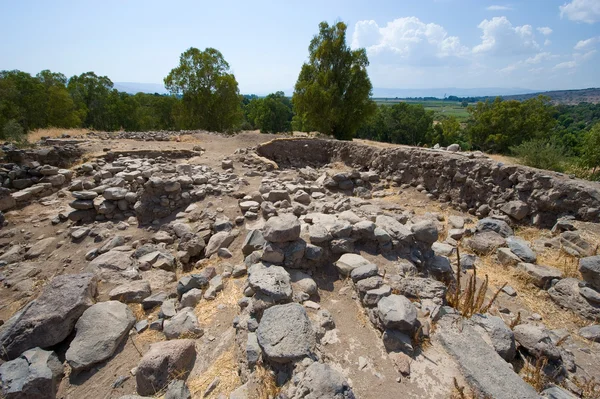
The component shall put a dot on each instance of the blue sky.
(535, 44)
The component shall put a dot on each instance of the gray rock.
(100, 330)
(115, 193)
(154, 300)
(111, 264)
(302, 282)
(191, 298)
(575, 245)
(196, 280)
(468, 261)
(457, 222)
(253, 350)
(50, 318)
(485, 242)
(515, 209)
(540, 275)
(177, 389)
(591, 333)
(501, 336)
(556, 392)
(567, 294)
(348, 262)
(321, 381)
(421, 288)
(507, 257)
(397, 312)
(183, 324)
(219, 240)
(521, 248)
(168, 309)
(396, 341)
(425, 231)
(33, 375)
(589, 268)
(443, 249)
(254, 241)
(495, 225)
(39, 248)
(284, 228)
(285, 333)
(487, 373)
(363, 272)
(133, 292)
(373, 296)
(272, 281)
(536, 340)
(161, 362)
(453, 148)
(395, 229)
(319, 234)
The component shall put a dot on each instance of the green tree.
(272, 114)
(333, 89)
(90, 93)
(60, 107)
(210, 94)
(590, 152)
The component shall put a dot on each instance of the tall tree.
(211, 98)
(90, 93)
(272, 114)
(333, 89)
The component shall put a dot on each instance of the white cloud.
(408, 40)
(547, 42)
(585, 56)
(587, 11)
(544, 30)
(583, 45)
(566, 65)
(499, 8)
(500, 37)
(539, 57)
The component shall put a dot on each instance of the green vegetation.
(441, 108)
(332, 94)
(271, 114)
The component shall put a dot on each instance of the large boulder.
(421, 288)
(284, 228)
(254, 241)
(568, 294)
(320, 381)
(397, 312)
(33, 375)
(164, 360)
(183, 324)
(495, 225)
(133, 292)
(395, 229)
(575, 245)
(100, 330)
(485, 242)
(540, 275)
(285, 333)
(536, 340)
(220, 240)
(515, 209)
(425, 231)
(113, 265)
(590, 270)
(50, 318)
(271, 281)
(520, 248)
(501, 336)
(348, 262)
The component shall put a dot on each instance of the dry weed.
(184, 138)
(268, 388)
(534, 375)
(589, 386)
(225, 367)
(147, 337)
(229, 296)
(55, 132)
(138, 310)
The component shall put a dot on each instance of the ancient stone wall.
(467, 180)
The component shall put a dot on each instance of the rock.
(320, 381)
(49, 319)
(254, 241)
(488, 374)
(183, 324)
(453, 148)
(573, 244)
(348, 262)
(161, 362)
(167, 309)
(114, 193)
(272, 281)
(154, 300)
(196, 280)
(589, 268)
(443, 249)
(591, 333)
(556, 392)
(485, 242)
(302, 282)
(109, 263)
(285, 333)
(468, 261)
(395, 229)
(363, 272)
(502, 337)
(396, 341)
(457, 222)
(425, 231)
(100, 330)
(284, 228)
(421, 288)
(536, 340)
(397, 312)
(515, 209)
(39, 248)
(541, 276)
(219, 240)
(495, 225)
(177, 389)
(133, 292)
(507, 257)
(373, 296)
(319, 234)
(521, 248)
(567, 294)
(33, 375)
(191, 298)
(227, 164)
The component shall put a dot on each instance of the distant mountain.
(569, 97)
(134, 87)
(448, 91)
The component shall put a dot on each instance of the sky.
(533, 44)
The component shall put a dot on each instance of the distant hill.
(135, 87)
(569, 97)
(442, 92)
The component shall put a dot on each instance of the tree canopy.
(271, 114)
(332, 94)
(210, 94)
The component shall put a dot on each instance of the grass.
(534, 375)
(441, 108)
(225, 367)
(206, 310)
(54, 132)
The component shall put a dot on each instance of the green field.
(441, 108)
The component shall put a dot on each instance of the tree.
(90, 93)
(590, 152)
(210, 94)
(333, 89)
(272, 114)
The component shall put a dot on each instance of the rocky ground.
(195, 268)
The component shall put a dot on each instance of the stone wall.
(467, 180)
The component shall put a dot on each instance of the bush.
(13, 131)
(541, 154)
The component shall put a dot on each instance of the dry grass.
(268, 388)
(54, 132)
(231, 294)
(148, 337)
(589, 386)
(534, 375)
(225, 367)
(138, 310)
(184, 138)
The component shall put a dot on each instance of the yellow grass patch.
(225, 367)
(267, 388)
(147, 337)
(138, 310)
(231, 294)
(55, 132)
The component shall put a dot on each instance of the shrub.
(13, 131)
(541, 154)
